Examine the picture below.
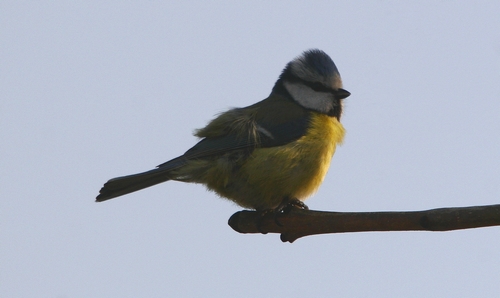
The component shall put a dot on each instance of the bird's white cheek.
(308, 98)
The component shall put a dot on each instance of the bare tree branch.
(299, 223)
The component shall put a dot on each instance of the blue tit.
(275, 151)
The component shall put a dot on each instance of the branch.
(299, 223)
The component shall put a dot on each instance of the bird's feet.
(283, 208)
(288, 203)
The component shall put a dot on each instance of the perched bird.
(266, 156)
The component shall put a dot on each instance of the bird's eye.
(318, 87)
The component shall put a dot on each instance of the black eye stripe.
(316, 86)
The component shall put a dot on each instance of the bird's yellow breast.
(295, 170)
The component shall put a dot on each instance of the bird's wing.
(269, 123)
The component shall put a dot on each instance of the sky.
(91, 90)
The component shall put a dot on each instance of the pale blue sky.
(92, 90)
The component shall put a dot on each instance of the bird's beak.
(342, 93)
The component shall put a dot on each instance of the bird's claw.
(283, 208)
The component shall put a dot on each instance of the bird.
(267, 156)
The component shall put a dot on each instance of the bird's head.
(313, 81)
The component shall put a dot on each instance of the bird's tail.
(123, 185)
